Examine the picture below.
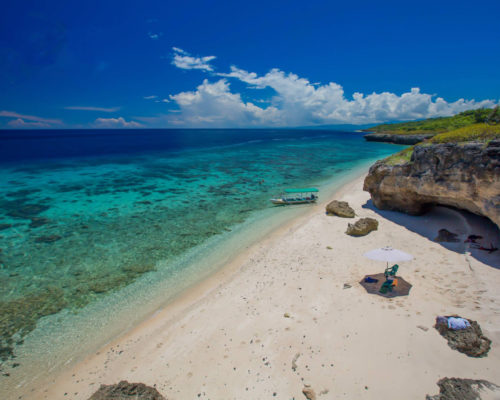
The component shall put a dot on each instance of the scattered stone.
(340, 209)
(362, 227)
(47, 238)
(424, 328)
(286, 315)
(470, 341)
(127, 391)
(309, 392)
(329, 247)
(37, 222)
(465, 389)
(445, 235)
(347, 286)
(294, 361)
(5, 226)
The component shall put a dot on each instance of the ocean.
(100, 228)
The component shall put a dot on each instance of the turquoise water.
(79, 232)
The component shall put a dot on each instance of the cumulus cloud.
(31, 118)
(119, 122)
(214, 104)
(150, 97)
(91, 108)
(298, 102)
(184, 60)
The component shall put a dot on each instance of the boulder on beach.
(340, 209)
(362, 227)
(127, 391)
(445, 235)
(470, 341)
(465, 389)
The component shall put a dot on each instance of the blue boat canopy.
(301, 190)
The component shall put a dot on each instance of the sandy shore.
(228, 338)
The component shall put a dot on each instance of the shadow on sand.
(460, 222)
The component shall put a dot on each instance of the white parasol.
(388, 254)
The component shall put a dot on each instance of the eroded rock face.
(465, 389)
(465, 176)
(362, 227)
(125, 390)
(340, 209)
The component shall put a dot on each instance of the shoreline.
(223, 264)
(169, 322)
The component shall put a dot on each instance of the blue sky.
(108, 64)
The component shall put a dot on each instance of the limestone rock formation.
(465, 176)
(340, 209)
(465, 389)
(397, 139)
(470, 341)
(362, 227)
(125, 390)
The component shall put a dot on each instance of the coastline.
(169, 340)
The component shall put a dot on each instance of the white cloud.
(213, 103)
(33, 118)
(20, 124)
(165, 101)
(298, 102)
(154, 35)
(91, 108)
(184, 60)
(150, 97)
(116, 123)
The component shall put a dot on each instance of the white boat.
(296, 196)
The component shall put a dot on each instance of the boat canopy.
(301, 190)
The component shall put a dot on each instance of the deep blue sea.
(86, 215)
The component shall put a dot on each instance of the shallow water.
(84, 215)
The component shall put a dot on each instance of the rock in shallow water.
(340, 209)
(126, 391)
(362, 227)
(47, 239)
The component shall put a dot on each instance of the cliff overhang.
(461, 175)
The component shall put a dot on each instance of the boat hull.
(284, 202)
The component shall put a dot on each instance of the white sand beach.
(278, 317)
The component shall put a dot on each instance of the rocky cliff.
(465, 176)
(397, 139)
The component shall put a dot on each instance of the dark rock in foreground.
(397, 139)
(362, 227)
(464, 176)
(470, 341)
(126, 391)
(340, 209)
(465, 389)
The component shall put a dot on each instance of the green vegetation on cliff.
(472, 133)
(442, 124)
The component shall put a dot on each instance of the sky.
(244, 64)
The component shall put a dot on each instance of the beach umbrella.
(388, 254)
